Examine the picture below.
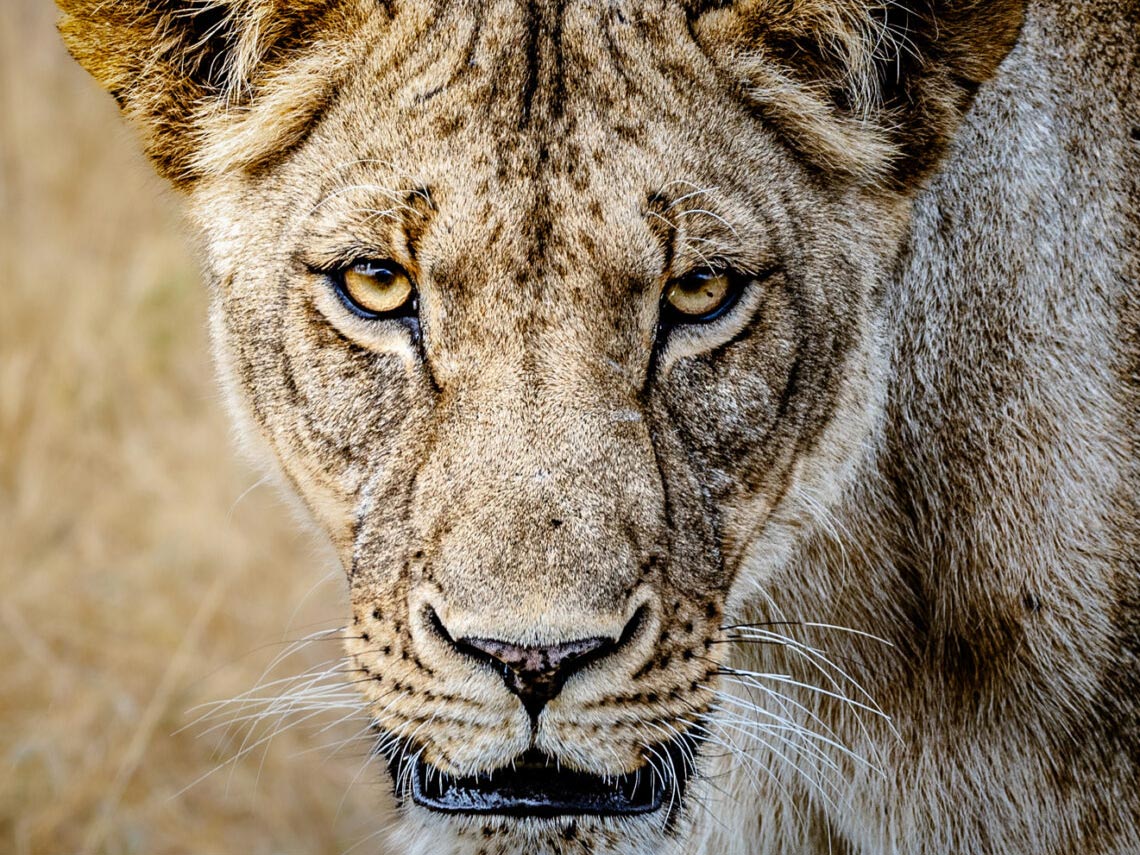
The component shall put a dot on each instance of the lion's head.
(562, 320)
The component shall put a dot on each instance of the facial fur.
(533, 456)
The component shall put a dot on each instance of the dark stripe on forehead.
(533, 37)
(542, 67)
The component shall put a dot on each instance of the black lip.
(535, 786)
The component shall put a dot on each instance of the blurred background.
(144, 570)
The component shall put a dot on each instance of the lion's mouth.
(536, 786)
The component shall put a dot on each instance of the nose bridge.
(529, 436)
(547, 428)
(540, 490)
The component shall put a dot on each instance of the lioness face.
(551, 349)
(566, 339)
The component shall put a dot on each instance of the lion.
(725, 412)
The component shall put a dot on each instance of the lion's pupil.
(379, 275)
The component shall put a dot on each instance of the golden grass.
(133, 582)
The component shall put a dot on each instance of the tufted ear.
(212, 84)
(874, 88)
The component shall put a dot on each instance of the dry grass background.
(138, 577)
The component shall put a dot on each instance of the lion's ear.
(873, 87)
(210, 84)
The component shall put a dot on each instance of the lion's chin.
(425, 831)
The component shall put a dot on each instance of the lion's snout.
(563, 704)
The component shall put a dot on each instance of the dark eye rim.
(408, 311)
(670, 317)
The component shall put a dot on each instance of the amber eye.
(699, 296)
(377, 289)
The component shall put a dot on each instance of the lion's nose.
(537, 674)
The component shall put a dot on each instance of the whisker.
(750, 677)
(812, 782)
(706, 191)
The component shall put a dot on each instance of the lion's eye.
(377, 289)
(699, 296)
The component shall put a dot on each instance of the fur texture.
(872, 534)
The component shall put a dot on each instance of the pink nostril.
(536, 674)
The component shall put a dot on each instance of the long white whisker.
(752, 676)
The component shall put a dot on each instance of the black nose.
(536, 674)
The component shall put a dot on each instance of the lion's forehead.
(544, 92)
(531, 61)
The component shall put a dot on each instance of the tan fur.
(878, 521)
